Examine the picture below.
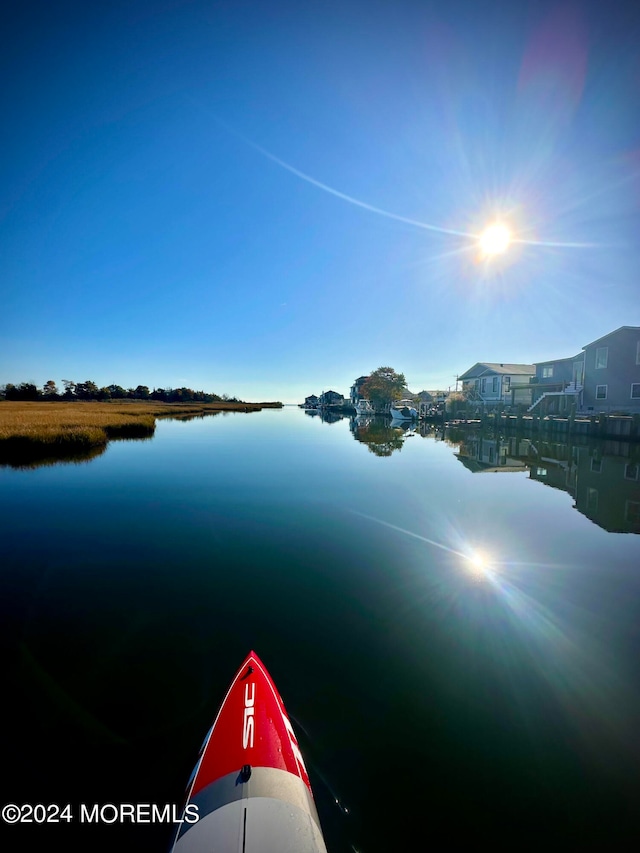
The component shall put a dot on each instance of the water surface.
(453, 626)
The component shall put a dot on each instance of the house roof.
(483, 368)
(478, 467)
(558, 360)
(615, 332)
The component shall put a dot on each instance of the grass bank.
(54, 428)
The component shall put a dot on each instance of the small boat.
(250, 789)
(364, 407)
(403, 410)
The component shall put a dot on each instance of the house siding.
(621, 371)
(503, 384)
(562, 372)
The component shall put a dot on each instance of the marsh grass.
(52, 429)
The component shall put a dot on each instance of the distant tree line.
(89, 391)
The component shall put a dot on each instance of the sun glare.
(478, 566)
(495, 239)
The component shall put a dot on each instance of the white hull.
(364, 407)
(406, 412)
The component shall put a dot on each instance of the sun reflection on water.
(529, 607)
(478, 566)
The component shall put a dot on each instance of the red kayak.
(250, 791)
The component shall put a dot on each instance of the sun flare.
(495, 239)
(478, 566)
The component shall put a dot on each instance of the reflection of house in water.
(479, 453)
(327, 416)
(602, 477)
(608, 489)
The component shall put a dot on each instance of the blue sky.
(179, 180)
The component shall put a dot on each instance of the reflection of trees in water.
(378, 435)
(199, 416)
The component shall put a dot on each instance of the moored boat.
(403, 410)
(364, 407)
(250, 790)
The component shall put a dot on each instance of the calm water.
(453, 625)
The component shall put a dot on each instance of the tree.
(24, 391)
(69, 389)
(383, 387)
(87, 390)
(50, 390)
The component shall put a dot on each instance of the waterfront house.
(311, 402)
(331, 398)
(557, 385)
(355, 393)
(612, 372)
(604, 377)
(498, 384)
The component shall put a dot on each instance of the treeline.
(90, 391)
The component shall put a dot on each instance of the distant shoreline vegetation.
(28, 392)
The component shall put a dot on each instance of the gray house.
(557, 385)
(490, 383)
(604, 377)
(612, 372)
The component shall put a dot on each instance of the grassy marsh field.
(53, 428)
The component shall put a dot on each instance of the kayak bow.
(250, 790)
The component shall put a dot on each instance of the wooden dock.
(624, 427)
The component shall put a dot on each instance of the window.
(635, 390)
(596, 465)
(483, 385)
(541, 472)
(547, 372)
(602, 356)
(592, 499)
(506, 384)
(631, 470)
(638, 353)
(632, 512)
(495, 384)
(601, 392)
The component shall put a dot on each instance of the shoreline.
(62, 429)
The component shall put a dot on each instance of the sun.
(495, 239)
